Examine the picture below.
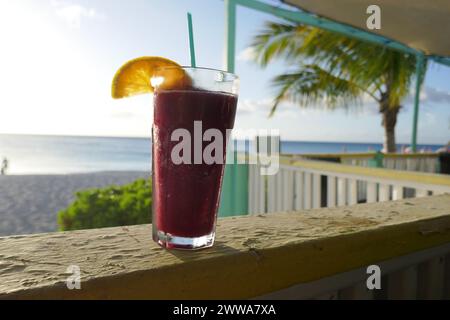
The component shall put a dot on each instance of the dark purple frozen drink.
(186, 195)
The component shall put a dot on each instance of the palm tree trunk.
(389, 122)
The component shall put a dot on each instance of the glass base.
(169, 241)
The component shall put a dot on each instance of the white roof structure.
(420, 24)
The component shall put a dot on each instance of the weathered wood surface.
(254, 255)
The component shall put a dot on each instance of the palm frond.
(275, 41)
(312, 85)
(321, 56)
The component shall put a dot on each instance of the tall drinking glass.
(192, 122)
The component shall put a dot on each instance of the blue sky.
(58, 58)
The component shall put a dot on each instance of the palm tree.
(332, 70)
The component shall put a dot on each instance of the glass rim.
(231, 74)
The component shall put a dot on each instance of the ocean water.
(28, 154)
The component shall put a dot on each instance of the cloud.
(368, 106)
(263, 107)
(248, 54)
(249, 106)
(74, 14)
(436, 95)
(429, 95)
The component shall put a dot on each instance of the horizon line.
(149, 137)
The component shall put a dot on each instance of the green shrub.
(109, 207)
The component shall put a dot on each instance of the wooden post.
(371, 192)
(317, 191)
(299, 187)
(307, 189)
(331, 192)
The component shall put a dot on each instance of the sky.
(58, 58)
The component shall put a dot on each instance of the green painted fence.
(234, 197)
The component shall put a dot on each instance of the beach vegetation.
(112, 206)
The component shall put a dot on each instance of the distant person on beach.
(4, 166)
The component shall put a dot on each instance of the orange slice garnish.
(134, 77)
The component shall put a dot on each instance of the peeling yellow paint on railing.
(254, 255)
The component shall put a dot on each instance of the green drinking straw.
(191, 40)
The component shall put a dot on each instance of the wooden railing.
(314, 184)
(421, 275)
(313, 254)
(422, 162)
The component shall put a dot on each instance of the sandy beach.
(30, 203)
